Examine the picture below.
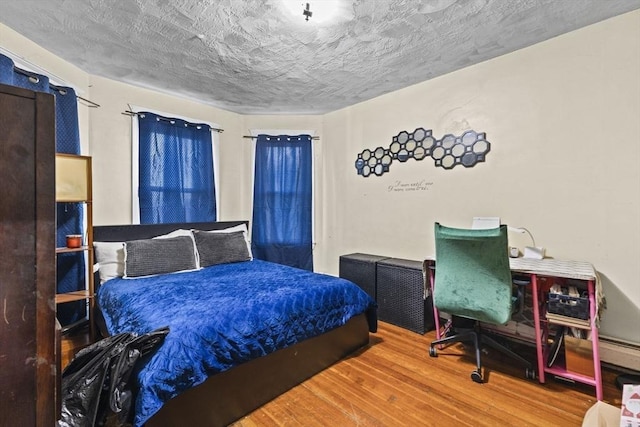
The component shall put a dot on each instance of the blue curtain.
(69, 216)
(282, 201)
(176, 171)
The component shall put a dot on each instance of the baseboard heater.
(620, 353)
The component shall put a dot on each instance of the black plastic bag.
(96, 388)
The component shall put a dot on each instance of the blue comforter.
(222, 316)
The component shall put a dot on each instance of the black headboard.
(121, 233)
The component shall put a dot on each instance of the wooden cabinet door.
(28, 366)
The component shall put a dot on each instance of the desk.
(552, 268)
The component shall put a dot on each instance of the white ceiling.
(262, 57)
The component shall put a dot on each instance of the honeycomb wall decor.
(447, 152)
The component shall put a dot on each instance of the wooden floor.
(394, 382)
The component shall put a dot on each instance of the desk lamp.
(533, 252)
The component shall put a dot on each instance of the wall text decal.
(447, 152)
(401, 187)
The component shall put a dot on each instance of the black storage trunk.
(400, 295)
(361, 270)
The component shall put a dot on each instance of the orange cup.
(74, 240)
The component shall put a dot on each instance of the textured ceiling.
(262, 57)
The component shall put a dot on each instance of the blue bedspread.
(222, 316)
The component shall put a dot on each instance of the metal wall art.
(447, 152)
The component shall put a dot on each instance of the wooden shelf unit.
(74, 185)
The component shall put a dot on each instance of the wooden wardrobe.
(28, 365)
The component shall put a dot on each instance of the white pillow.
(110, 259)
(241, 227)
(183, 232)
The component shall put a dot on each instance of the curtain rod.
(91, 103)
(254, 137)
(60, 89)
(133, 113)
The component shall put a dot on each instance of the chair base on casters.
(477, 338)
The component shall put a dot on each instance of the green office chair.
(473, 281)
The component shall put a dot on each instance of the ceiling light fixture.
(324, 11)
(307, 12)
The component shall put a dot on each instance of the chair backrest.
(473, 278)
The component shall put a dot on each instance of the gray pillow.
(220, 248)
(159, 256)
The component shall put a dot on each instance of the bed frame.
(230, 395)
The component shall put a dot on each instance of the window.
(174, 171)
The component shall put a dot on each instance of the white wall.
(563, 118)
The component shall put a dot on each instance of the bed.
(242, 331)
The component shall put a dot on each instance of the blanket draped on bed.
(222, 316)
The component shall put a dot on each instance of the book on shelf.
(567, 320)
